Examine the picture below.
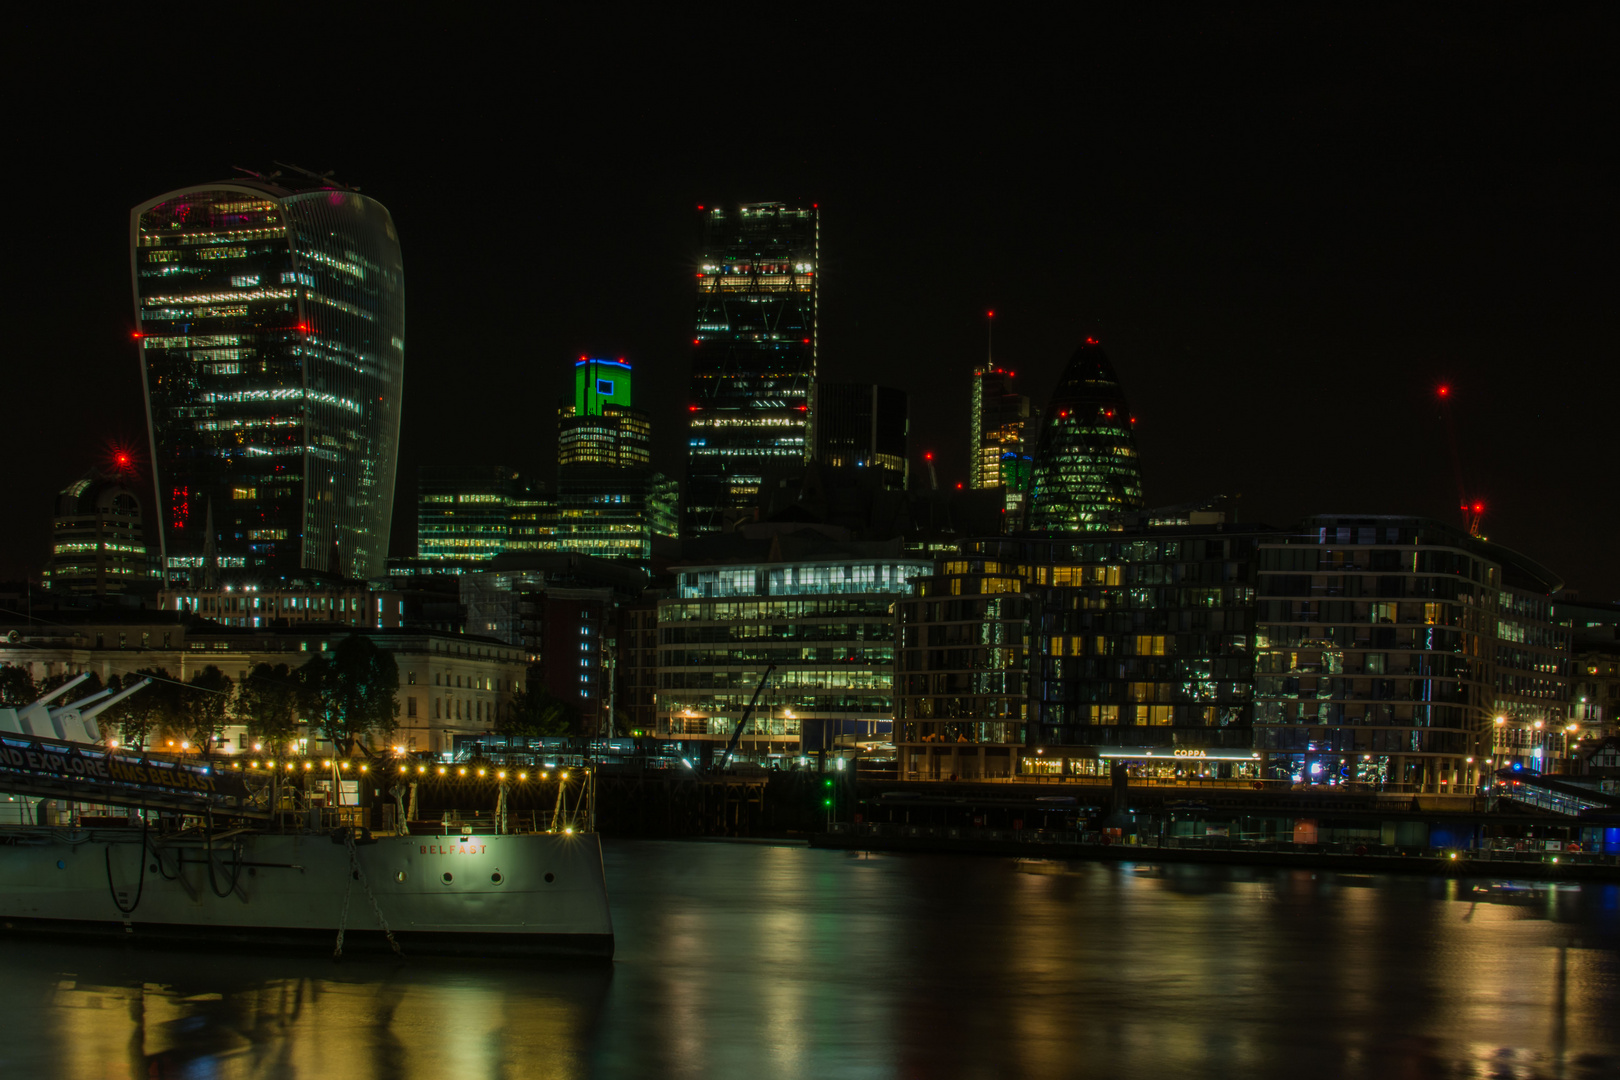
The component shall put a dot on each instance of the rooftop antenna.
(1473, 509)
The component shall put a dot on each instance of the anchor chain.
(358, 874)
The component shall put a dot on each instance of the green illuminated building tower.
(610, 503)
(1085, 466)
(600, 427)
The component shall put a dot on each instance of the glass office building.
(825, 624)
(1085, 466)
(464, 512)
(753, 355)
(98, 544)
(999, 439)
(271, 326)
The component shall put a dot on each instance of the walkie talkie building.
(271, 326)
(753, 355)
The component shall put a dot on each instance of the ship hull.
(488, 896)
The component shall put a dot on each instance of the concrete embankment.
(1465, 864)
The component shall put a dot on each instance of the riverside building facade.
(1388, 648)
(753, 355)
(1042, 656)
(826, 624)
(271, 330)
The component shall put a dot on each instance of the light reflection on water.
(765, 961)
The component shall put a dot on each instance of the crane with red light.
(1472, 507)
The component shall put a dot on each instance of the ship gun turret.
(58, 754)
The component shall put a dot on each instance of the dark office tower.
(1085, 464)
(271, 323)
(753, 355)
(97, 544)
(862, 425)
(463, 512)
(599, 427)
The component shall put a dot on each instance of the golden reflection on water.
(357, 1021)
(776, 961)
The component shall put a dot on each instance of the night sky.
(1286, 229)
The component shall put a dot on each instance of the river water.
(761, 960)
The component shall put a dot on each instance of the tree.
(204, 706)
(351, 693)
(138, 717)
(537, 712)
(267, 701)
(17, 687)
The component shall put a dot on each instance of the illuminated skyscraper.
(1085, 464)
(271, 325)
(610, 503)
(1001, 423)
(753, 354)
(599, 427)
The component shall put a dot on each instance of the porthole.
(496, 878)
(448, 877)
(400, 877)
(550, 878)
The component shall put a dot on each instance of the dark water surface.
(750, 960)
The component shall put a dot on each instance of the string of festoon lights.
(403, 770)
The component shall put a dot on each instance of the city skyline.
(1199, 253)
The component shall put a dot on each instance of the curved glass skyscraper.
(271, 325)
(1085, 462)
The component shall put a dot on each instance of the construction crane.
(736, 734)
(1473, 508)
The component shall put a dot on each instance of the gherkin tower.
(1085, 462)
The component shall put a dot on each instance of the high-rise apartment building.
(271, 326)
(1142, 644)
(98, 545)
(1388, 647)
(1002, 424)
(1085, 466)
(864, 426)
(753, 355)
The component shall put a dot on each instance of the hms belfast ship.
(209, 855)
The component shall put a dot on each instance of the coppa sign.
(72, 762)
